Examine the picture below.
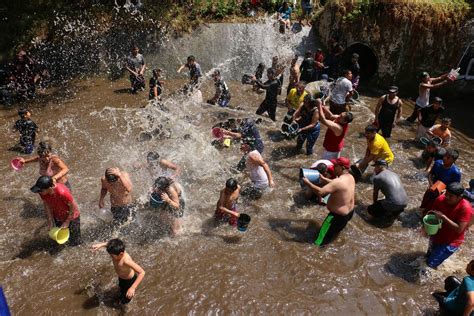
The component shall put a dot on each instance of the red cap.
(342, 161)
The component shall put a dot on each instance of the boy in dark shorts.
(130, 274)
(27, 129)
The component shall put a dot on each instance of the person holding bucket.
(226, 209)
(444, 172)
(340, 203)
(60, 207)
(167, 197)
(396, 198)
(455, 213)
(307, 117)
(324, 173)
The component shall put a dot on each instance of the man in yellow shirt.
(294, 100)
(377, 148)
(295, 97)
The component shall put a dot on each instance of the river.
(273, 268)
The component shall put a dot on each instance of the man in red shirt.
(337, 129)
(60, 207)
(455, 212)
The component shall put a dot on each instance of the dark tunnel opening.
(368, 60)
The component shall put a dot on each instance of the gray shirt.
(135, 62)
(389, 183)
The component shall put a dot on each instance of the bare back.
(122, 269)
(342, 190)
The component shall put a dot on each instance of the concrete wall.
(404, 47)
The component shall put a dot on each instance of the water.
(271, 268)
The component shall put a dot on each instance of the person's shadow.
(276, 136)
(37, 245)
(403, 265)
(211, 228)
(122, 91)
(295, 230)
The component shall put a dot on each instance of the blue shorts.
(224, 102)
(438, 253)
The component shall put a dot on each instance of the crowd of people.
(329, 105)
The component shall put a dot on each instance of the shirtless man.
(340, 203)
(294, 74)
(120, 187)
(130, 274)
(226, 209)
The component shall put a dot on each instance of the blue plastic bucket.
(310, 174)
(155, 200)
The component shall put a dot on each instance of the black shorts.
(124, 286)
(122, 214)
(332, 225)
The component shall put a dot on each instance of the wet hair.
(191, 58)
(371, 129)
(217, 72)
(261, 66)
(424, 74)
(162, 183)
(446, 120)
(43, 147)
(109, 176)
(232, 184)
(349, 117)
(455, 188)
(152, 155)
(322, 168)
(453, 153)
(22, 112)
(345, 72)
(156, 71)
(271, 72)
(115, 246)
(308, 54)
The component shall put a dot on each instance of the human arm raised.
(166, 164)
(336, 128)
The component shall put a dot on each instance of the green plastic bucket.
(431, 224)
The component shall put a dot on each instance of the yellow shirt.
(379, 147)
(295, 100)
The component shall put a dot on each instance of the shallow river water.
(273, 268)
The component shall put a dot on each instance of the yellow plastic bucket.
(59, 235)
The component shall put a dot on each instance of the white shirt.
(340, 90)
(257, 173)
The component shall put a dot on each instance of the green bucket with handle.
(431, 224)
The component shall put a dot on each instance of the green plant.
(221, 10)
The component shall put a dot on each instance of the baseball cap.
(438, 99)
(43, 183)
(342, 161)
(393, 89)
(380, 162)
(455, 188)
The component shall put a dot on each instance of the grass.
(430, 13)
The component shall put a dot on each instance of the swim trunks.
(122, 214)
(124, 286)
(331, 226)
